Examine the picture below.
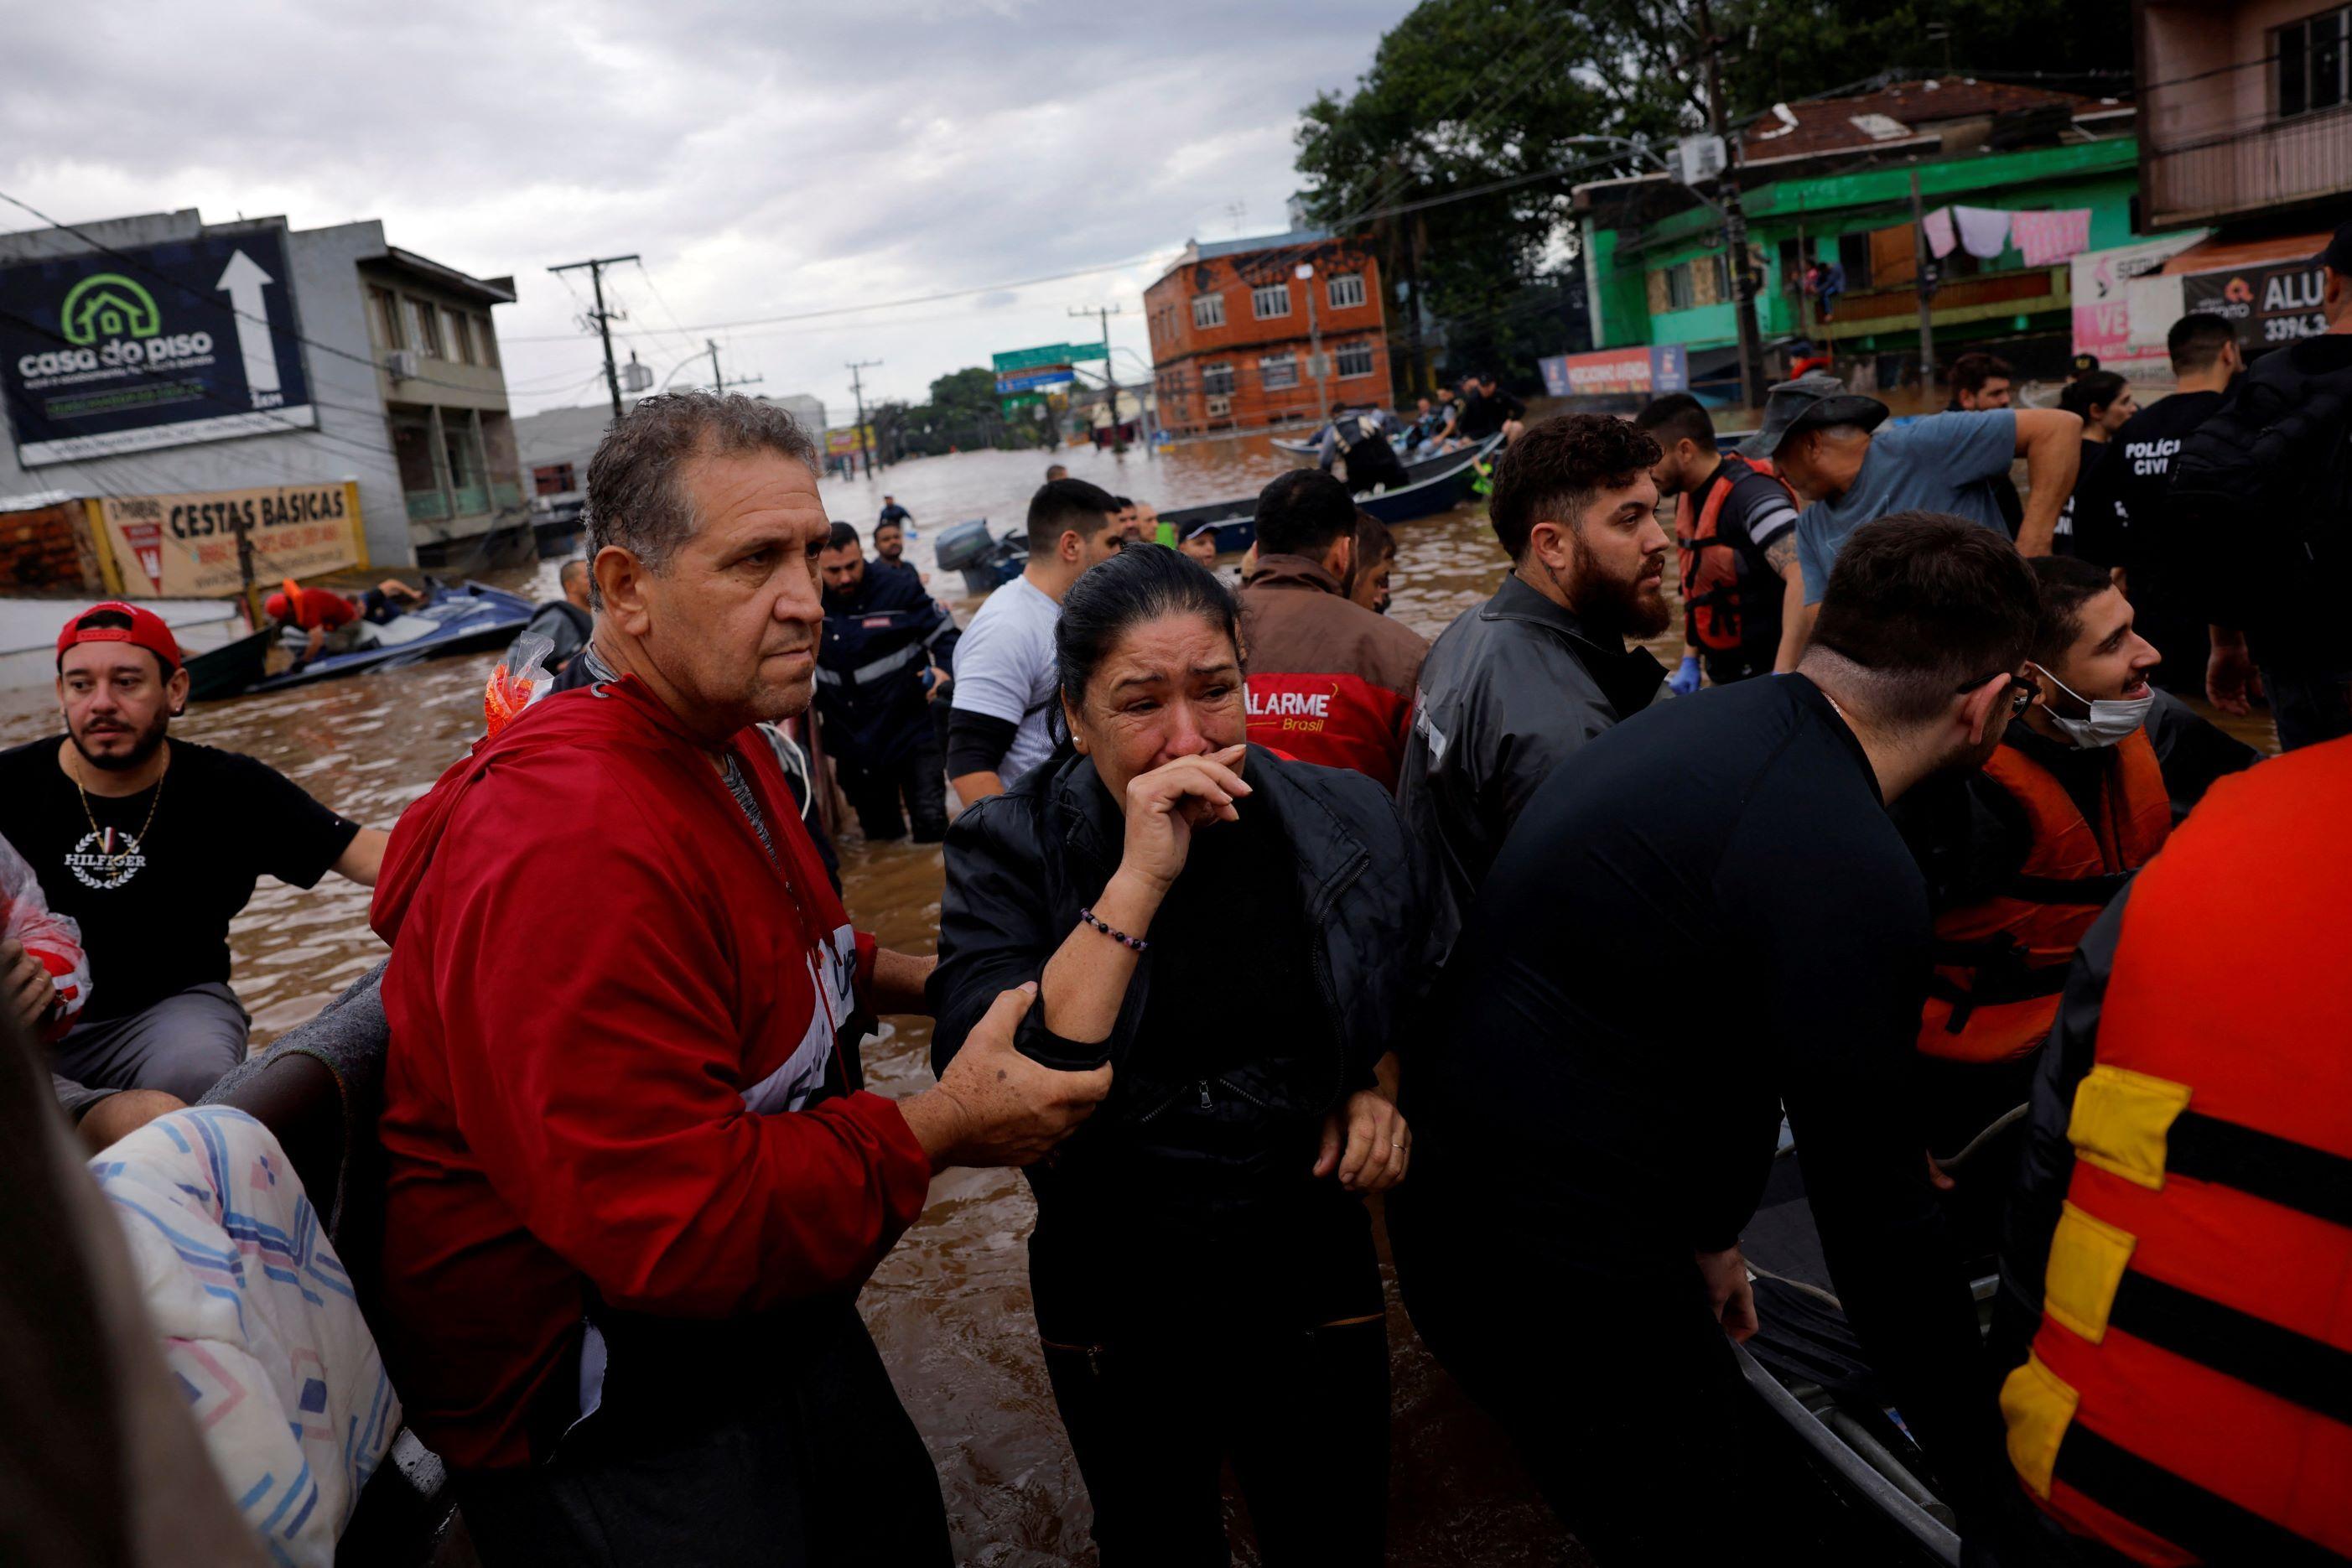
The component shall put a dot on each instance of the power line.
(603, 317)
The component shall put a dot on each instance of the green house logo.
(109, 305)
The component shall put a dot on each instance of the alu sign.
(159, 345)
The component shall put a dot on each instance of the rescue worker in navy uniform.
(1735, 531)
(2172, 1297)
(886, 641)
(1362, 437)
(2022, 857)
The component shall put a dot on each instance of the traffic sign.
(1034, 380)
(1046, 354)
(1021, 400)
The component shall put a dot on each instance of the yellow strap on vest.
(2038, 1408)
(2121, 1120)
(2087, 1260)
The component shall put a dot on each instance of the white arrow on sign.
(245, 281)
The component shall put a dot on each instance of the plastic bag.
(519, 680)
(54, 939)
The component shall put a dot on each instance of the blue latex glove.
(1685, 680)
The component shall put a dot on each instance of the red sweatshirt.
(610, 1015)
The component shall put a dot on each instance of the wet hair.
(1062, 506)
(1375, 542)
(1971, 371)
(2092, 389)
(843, 537)
(633, 497)
(1133, 587)
(1554, 469)
(2067, 584)
(116, 621)
(1302, 512)
(1677, 416)
(1926, 603)
(2196, 341)
(575, 567)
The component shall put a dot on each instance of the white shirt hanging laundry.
(1939, 227)
(2050, 237)
(1984, 231)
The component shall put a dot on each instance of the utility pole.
(1925, 266)
(720, 384)
(604, 317)
(858, 391)
(1735, 224)
(1111, 377)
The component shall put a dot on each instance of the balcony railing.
(2023, 292)
(2308, 158)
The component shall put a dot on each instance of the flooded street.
(950, 1306)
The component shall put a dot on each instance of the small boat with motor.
(1433, 485)
(460, 618)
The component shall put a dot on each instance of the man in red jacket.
(634, 1182)
(1330, 681)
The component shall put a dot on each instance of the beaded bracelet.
(1132, 943)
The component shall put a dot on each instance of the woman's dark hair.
(1141, 583)
(2093, 389)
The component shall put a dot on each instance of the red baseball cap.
(147, 629)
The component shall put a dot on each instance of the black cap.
(2085, 363)
(1810, 402)
(2337, 256)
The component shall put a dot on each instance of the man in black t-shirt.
(153, 847)
(2120, 516)
(1586, 1155)
(1488, 410)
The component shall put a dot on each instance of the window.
(1275, 371)
(1270, 301)
(423, 326)
(1221, 406)
(461, 336)
(1217, 379)
(1853, 257)
(554, 479)
(2312, 61)
(489, 343)
(1679, 294)
(1346, 290)
(1355, 359)
(384, 319)
(1208, 310)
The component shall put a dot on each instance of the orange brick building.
(1232, 323)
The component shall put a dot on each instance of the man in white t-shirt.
(1005, 679)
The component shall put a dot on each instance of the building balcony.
(2027, 291)
(2305, 159)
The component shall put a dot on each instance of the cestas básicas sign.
(159, 345)
(184, 546)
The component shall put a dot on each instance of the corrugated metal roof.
(1913, 108)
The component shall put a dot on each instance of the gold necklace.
(98, 834)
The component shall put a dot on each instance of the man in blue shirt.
(1827, 443)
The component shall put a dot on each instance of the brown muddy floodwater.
(950, 1306)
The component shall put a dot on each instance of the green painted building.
(1832, 180)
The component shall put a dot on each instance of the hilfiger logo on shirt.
(1289, 710)
(106, 860)
(832, 973)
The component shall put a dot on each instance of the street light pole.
(1735, 226)
(1111, 377)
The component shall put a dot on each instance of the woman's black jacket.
(1019, 867)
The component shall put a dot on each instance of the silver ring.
(1395, 1144)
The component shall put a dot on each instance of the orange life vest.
(1710, 562)
(2189, 1395)
(2001, 961)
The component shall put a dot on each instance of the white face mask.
(2111, 719)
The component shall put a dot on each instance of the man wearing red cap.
(153, 847)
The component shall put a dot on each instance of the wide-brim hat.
(1811, 402)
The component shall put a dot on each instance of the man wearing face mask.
(1518, 684)
(2021, 858)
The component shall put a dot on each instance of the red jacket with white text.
(1330, 681)
(624, 1063)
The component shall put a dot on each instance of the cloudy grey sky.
(765, 160)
